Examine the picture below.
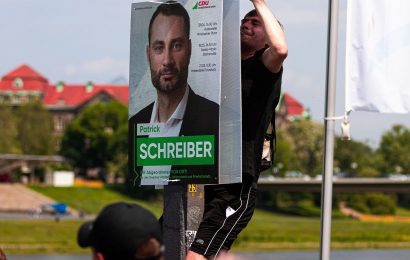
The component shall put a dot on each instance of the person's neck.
(246, 53)
(168, 102)
(249, 51)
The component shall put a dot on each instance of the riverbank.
(267, 231)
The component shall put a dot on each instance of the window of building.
(60, 86)
(15, 99)
(60, 102)
(89, 87)
(59, 123)
(18, 83)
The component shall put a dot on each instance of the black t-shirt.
(260, 96)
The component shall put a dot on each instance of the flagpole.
(327, 184)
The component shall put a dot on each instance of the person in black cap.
(122, 231)
(2, 255)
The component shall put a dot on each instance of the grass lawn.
(403, 212)
(92, 200)
(40, 237)
(266, 232)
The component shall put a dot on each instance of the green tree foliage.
(372, 203)
(355, 158)
(119, 144)
(306, 139)
(284, 155)
(395, 150)
(8, 131)
(97, 136)
(403, 200)
(35, 129)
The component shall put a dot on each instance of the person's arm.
(277, 51)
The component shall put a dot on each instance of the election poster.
(179, 104)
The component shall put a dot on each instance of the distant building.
(66, 101)
(289, 109)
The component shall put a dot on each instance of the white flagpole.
(327, 185)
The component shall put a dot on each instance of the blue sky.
(77, 41)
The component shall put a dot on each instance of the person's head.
(2, 255)
(122, 231)
(252, 34)
(169, 47)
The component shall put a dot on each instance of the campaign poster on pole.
(176, 102)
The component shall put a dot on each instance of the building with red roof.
(289, 109)
(65, 101)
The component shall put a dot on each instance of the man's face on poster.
(169, 52)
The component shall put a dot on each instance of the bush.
(381, 204)
(403, 200)
(372, 203)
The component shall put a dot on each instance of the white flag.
(378, 56)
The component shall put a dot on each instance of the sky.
(79, 41)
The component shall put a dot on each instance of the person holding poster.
(188, 122)
(229, 207)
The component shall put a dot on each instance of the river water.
(277, 255)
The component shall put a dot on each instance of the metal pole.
(174, 221)
(195, 211)
(183, 210)
(326, 209)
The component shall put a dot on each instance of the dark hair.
(253, 13)
(171, 8)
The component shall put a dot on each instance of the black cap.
(119, 229)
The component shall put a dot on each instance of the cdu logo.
(201, 4)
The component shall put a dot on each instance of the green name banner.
(178, 150)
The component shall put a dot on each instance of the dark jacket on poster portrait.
(201, 118)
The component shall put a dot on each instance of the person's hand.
(259, 1)
(228, 256)
(194, 256)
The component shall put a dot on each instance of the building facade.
(64, 101)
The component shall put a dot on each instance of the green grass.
(92, 200)
(40, 237)
(403, 212)
(35, 236)
(267, 231)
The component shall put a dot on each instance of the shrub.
(372, 203)
(404, 200)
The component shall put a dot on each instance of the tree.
(306, 138)
(8, 131)
(284, 155)
(118, 166)
(395, 150)
(96, 136)
(355, 158)
(35, 129)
